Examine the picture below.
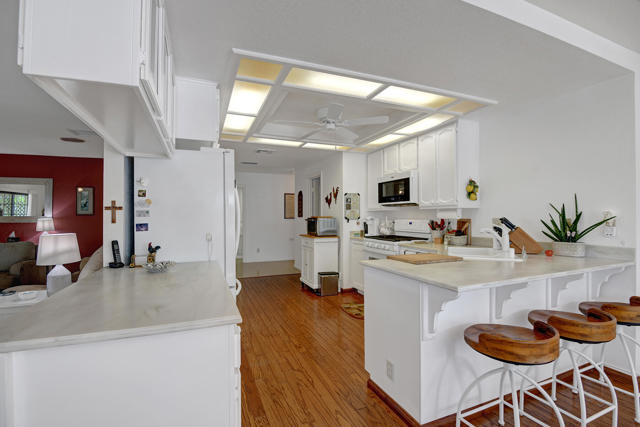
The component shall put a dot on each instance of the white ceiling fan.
(330, 119)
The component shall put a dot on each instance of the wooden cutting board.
(424, 258)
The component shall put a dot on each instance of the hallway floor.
(264, 269)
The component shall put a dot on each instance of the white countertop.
(122, 303)
(466, 276)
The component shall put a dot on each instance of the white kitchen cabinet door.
(408, 154)
(356, 269)
(427, 164)
(307, 263)
(391, 163)
(446, 170)
(374, 171)
(152, 37)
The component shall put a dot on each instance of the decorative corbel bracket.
(556, 285)
(434, 300)
(596, 279)
(500, 295)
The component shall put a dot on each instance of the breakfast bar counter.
(415, 316)
(125, 347)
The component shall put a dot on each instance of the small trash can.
(328, 283)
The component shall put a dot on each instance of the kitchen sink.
(483, 254)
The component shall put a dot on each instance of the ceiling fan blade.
(362, 121)
(346, 135)
(297, 123)
(303, 137)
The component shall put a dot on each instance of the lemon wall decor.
(472, 190)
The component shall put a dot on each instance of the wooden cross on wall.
(113, 208)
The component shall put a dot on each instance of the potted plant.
(564, 233)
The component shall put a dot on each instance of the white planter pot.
(569, 249)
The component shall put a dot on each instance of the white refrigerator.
(189, 206)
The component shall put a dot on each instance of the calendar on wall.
(351, 206)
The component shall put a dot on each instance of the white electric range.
(405, 231)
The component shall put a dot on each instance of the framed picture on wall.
(84, 200)
(289, 205)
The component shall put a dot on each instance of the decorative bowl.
(457, 240)
(159, 267)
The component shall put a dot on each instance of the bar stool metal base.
(577, 387)
(625, 339)
(511, 371)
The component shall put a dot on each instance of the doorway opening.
(315, 196)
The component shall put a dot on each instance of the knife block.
(519, 239)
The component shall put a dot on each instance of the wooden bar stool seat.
(515, 344)
(593, 327)
(626, 314)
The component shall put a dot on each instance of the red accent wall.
(67, 173)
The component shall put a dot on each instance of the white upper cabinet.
(197, 110)
(408, 154)
(374, 170)
(391, 161)
(447, 159)
(427, 172)
(446, 171)
(110, 63)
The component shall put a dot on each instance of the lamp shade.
(45, 223)
(56, 249)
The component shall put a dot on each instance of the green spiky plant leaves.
(566, 229)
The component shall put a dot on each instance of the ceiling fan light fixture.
(464, 107)
(332, 83)
(262, 70)
(272, 141)
(234, 123)
(247, 97)
(386, 139)
(415, 98)
(425, 124)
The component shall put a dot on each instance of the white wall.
(113, 190)
(580, 142)
(267, 235)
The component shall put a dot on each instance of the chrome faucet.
(499, 242)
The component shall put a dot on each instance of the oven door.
(371, 253)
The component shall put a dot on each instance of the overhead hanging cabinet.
(109, 62)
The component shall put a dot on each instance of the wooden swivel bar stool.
(593, 327)
(627, 315)
(512, 345)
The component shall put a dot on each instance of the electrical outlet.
(209, 237)
(390, 370)
(609, 228)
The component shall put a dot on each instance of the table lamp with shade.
(58, 249)
(45, 224)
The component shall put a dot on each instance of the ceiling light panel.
(247, 97)
(325, 146)
(464, 107)
(386, 139)
(229, 137)
(254, 69)
(415, 98)
(425, 124)
(333, 83)
(271, 141)
(234, 123)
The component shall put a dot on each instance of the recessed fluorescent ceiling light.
(465, 107)
(325, 146)
(247, 98)
(424, 124)
(330, 82)
(237, 124)
(229, 137)
(386, 139)
(271, 141)
(255, 69)
(416, 98)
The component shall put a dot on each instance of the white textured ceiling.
(30, 120)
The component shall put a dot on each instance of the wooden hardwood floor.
(303, 364)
